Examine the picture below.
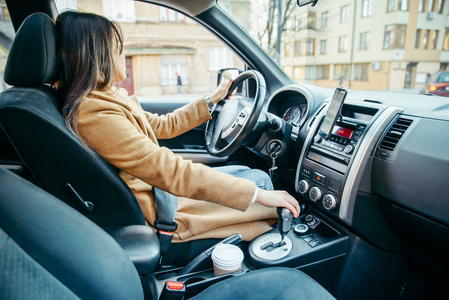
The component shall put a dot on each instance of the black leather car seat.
(50, 251)
(30, 116)
(59, 162)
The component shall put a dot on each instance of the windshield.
(383, 45)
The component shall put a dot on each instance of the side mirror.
(306, 2)
(232, 73)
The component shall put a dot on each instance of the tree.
(271, 33)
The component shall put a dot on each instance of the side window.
(6, 37)
(163, 48)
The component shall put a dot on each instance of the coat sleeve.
(179, 121)
(109, 131)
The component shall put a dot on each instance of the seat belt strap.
(166, 206)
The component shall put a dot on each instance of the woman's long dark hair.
(86, 44)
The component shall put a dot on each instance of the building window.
(219, 58)
(394, 36)
(361, 72)
(287, 50)
(440, 6)
(394, 5)
(62, 5)
(367, 8)
(417, 38)
(364, 41)
(434, 39)
(172, 64)
(324, 17)
(323, 46)
(309, 72)
(425, 40)
(299, 73)
(343, 43)
(322, 72)
(446, 40)
(168, 15)
(344, 14)
(119, 10)
(341, 70)
(299, 23)
(421, 5)
(435, 5)
(310, 47)
(297, 48)
(311, 20)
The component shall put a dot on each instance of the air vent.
(314, 118)
(394, 134)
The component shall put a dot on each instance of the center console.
(336, 153)
(324, 169)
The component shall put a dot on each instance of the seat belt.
(166, 206)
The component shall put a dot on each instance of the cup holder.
(193, 280)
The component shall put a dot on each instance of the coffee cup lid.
(226, 255)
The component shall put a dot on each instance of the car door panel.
(189, 145)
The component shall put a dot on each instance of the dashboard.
(382, 172)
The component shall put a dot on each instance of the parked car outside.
(437, 84)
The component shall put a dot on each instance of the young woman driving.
(212, 204)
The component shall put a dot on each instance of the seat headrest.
(32, 58)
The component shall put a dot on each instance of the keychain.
(273, 170)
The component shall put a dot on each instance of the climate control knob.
(349, 149)
(329, 202)
(315, 194)
(303, 186)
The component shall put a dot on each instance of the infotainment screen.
(332, 113)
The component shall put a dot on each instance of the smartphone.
(333, 112)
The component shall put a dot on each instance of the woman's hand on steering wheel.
(278, 199)
(221, 91)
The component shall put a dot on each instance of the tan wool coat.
(211, 204)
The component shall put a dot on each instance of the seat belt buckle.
(173, 290)
(165, 239)
(166, 227)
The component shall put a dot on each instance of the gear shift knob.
(285, 218)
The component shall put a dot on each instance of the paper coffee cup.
(227, 259)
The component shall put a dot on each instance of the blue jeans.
(259, 177)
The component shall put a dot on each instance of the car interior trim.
(374, 132)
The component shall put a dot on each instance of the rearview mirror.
(306, 2)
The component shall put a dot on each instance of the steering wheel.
(233, 120)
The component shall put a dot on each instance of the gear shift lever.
(285, 218)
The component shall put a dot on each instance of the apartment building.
(160, 43)
(368, 44)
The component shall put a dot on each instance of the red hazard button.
(319, 177)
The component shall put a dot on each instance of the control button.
(334, 185)
(314, 243)
(309, 219)
(329, 202)
(318, 138)
(349, 149)
(300, 229)
(315, 194)
(309, 238)
(319, 177)
(306, 171)
(340, 148)
(303, 186)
